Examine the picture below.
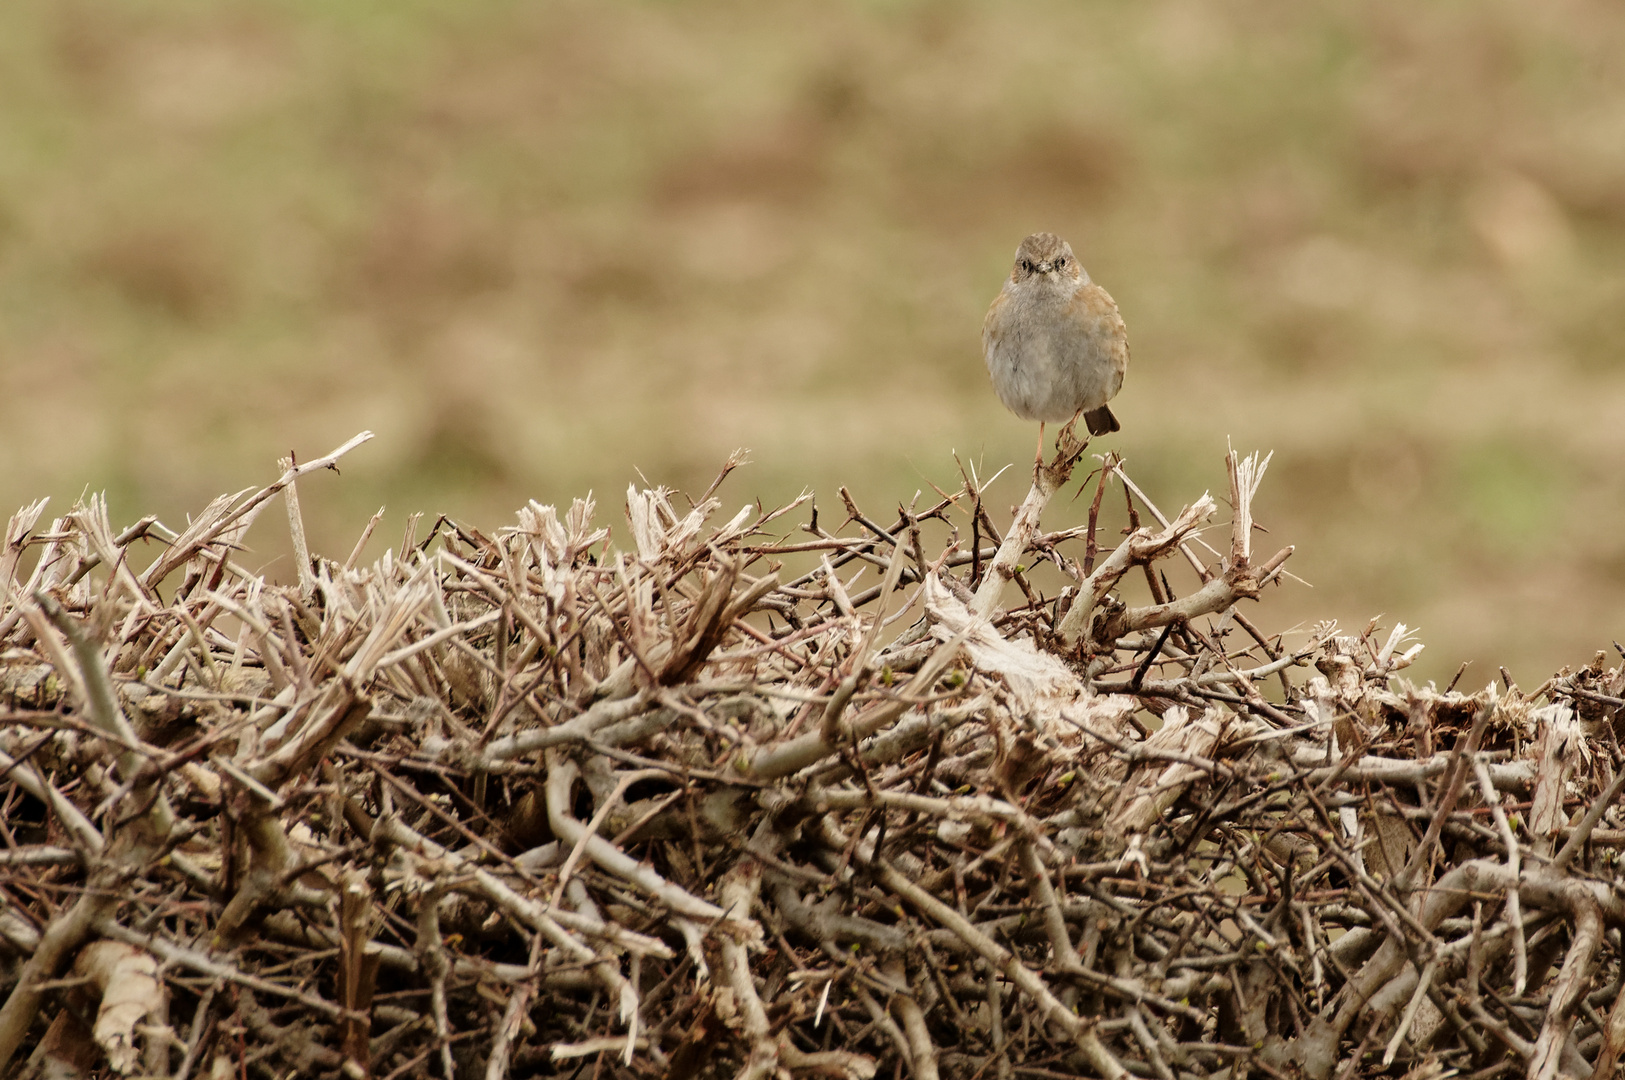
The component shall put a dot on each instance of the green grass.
(540, 247)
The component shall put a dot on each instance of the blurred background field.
(538, 247)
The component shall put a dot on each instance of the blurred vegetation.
(540, 246)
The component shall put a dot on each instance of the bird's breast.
(1051, 353)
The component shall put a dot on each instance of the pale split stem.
(1047, 480)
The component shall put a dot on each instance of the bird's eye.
(1060, 263)
(1027, 265)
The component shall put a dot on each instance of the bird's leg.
(1038, 457)
(1066, 443)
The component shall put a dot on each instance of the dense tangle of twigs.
(543, 803)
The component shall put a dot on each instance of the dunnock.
(1054, 342)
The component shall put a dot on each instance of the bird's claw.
(1067, 444)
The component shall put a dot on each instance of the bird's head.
(1048, 258)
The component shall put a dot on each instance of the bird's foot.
(1068, 446)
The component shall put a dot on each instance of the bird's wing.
(1094, 307)
(993, 325)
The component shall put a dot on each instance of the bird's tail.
(1101, 421)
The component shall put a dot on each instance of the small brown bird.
(1054, 342)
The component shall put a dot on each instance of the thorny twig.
(682, 809)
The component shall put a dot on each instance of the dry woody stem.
(697, 795)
